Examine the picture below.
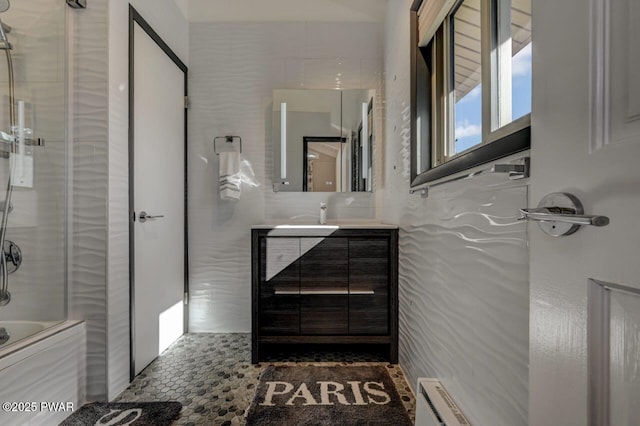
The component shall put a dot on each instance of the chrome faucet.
(4, 336)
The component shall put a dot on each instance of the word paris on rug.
(326, 396)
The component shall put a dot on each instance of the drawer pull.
(322, 292)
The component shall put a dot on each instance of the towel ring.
(228, 139)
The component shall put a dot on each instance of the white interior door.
(585, 305)
(158, 190)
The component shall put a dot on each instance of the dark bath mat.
(125, 413)
(325, 396)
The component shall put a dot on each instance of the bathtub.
(18, 330)
(46, 367)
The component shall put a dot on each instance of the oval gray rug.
(326, 396)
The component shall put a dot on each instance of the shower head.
(4, 40)
(4, 29)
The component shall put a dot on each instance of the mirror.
(323, 140)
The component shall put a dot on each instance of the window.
(466, 77)
(471, 84)
(513, 49)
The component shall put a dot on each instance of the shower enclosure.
(33, 168)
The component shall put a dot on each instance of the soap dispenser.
(323, 213)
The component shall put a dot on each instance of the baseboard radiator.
(435, 407)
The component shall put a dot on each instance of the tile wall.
(464, 266)
(234, 68)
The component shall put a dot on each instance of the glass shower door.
(33, 167)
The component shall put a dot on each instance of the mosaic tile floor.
(212, 376)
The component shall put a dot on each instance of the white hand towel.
(230, 179)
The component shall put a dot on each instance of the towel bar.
(228, 139)
(513, 171)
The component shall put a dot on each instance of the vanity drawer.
(324, 286)
(369, 265)
(369, 314)
(369, 248)
(369, 286)
(369, 275)
(324, 264)
(324, 314)
(280, 315)
(279, 264)
(279, 287)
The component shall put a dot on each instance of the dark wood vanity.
(324, 285)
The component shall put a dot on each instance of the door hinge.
(133, 216)
(186, 102)
(186, 298)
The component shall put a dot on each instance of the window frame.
(509, 139)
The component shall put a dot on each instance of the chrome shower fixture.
(4, 40)
(4, 6)
(12, 255)
(4, 336)
(4, 29)
(6, 256)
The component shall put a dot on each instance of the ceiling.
(283, 10)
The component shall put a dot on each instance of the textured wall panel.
(55, 373)
(464, 299)
(88, 297)
(118, 251)
(234, 68)
(463, 267)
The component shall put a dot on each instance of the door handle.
(554, 214)
(560, 214)
(143, 216)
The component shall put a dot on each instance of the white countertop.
(328, 226)
(316, 230)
